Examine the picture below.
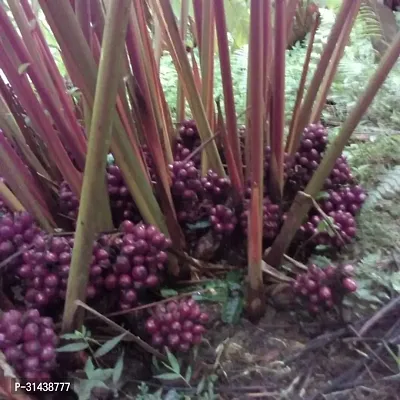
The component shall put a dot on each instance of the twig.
(201, 147)
(134, 338)
(316, 343)
(368, 347)
(377, 316)
(15, 255)
(297, 264)
(323, 215)
(143, 307)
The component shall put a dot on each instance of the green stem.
(98, 147)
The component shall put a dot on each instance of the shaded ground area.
(284, 357)
(287, 355)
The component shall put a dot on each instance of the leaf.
(109, 345)
(201, 385)
(172, 394)
(234, 276)
(85, 386)
(23, 67)
(89, 368)
(388, 189)
(322, 196)
(188, 374)
(234, 286)
(168, 376)
(173, 362)
(324, 226)
(155, 363)
(73, 90)
(102, 374)
(396, 281)
(118, 368)
(73, 347)
(110, 159)
(168, 292)
(232, 310)
(199, 225)
(321, 247)
(71, 336)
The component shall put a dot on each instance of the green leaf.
(201, 385)
(173, 362)
(85, 386)
(234, 286)
(234, 276)
(168, 292)
(84, 331)
(110, 159)
(109, 345)
(23, 67)
(73, 347)
(324, 226)
(102, 374)
(89, 368)
(154, 361)
(71, 336)
(118, 368)
(321, 247)
(199, 225)
(168, 376)
(232, 310)
(322, 196)
(188, 374)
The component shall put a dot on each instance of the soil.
(284, 357)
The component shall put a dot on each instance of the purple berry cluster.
(340, 175)
(148, 159)
(177, 325)
(349, 198)
(28, 342)
(194, 195)
(322, 289)
(344, 232)
(217, 189)
(272, 218)
(45, 269)
(121, 201)
(68, 202)
(138, 257)
(309, 155)
(288, 163)
(122, 204)
(17, 232)
(223, 220)
(189, 135)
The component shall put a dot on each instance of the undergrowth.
(357, 65)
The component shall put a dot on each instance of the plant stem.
(98, 146)
(348, 6)
(9, 198)
(278, 104)
(255, 300)
(227, 86)
(302, 205)
(180, 107)
(332, 68)
(300, 91)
